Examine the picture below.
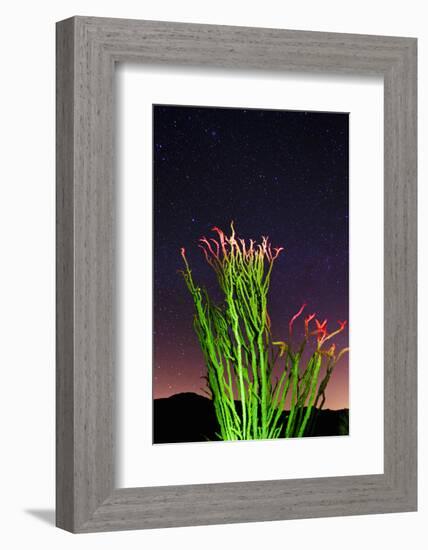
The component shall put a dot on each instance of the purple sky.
(277, 173)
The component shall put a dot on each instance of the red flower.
(290, 324)
(307, 321)
(277, 251)
(222, 239)
(321, 329)
(325, 336)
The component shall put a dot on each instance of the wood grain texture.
(87, 50)
(64, 277)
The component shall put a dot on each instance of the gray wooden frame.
(87, 50)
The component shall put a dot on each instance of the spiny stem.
(236, 341)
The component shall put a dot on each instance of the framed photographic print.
(236, 274)
(249, 371)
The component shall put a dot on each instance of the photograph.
(250, 274)
(210, 265)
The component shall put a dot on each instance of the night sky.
(278, 173)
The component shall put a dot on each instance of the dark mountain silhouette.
(187, 417)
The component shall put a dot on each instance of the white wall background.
(27, 271)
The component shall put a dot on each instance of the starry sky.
(278, 173)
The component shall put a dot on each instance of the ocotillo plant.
(307, 385)
(240, 356)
